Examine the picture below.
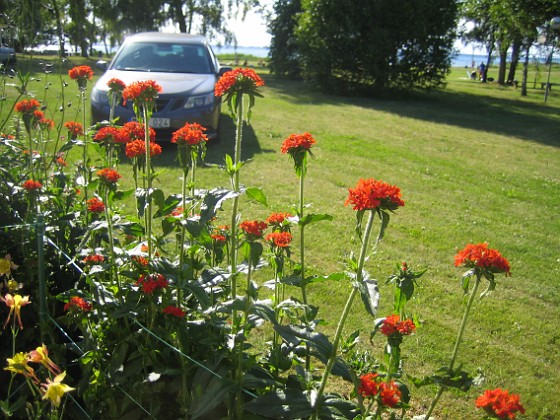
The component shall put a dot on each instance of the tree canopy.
(365, 44)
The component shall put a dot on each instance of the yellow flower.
(55, 389)
(15, 303)
(41, 355)
(5, 266)
(18, 364)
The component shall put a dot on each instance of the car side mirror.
(224, 69)
(102, 65)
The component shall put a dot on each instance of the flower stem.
(148, 171)
(182, 238)
(85, 152)
(346, 310)
(457, 343)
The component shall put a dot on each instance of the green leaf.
(369, 291)
(209, 391)
(256, 194)
(313, 218)
(279, 404)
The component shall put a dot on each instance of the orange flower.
(370, 194)
(280, 239)
(107, 135)
(15, 303)
(369, 387)
(94, 259)
(142, 91)
(390, 394)
(133, 130)
(238, 80)
(80, 72)
(108, 175)
(78, 304)
(297, 143)
(175, 311)
(31, 185)
(41, 355)
(45, 124)
(95, 205)
(218, 239)
(27, 106)
(190, 134)
(480, 256)
(137, 148)
(116, 85)
(392, 325)
(500, 404)
(277, 220)
(74, 128)
(61, 162)
(253, 229)
(152, 282)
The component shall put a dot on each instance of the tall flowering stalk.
(114, 95)
(191, 142)
(233, 86)
(373, 197)
(83, 74)
(298, 147)
(27, 109)
(143, 95)
(482, 262)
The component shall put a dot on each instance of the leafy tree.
(375, 44)
(283, 47)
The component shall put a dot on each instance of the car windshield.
(164, 57)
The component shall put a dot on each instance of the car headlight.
(99, 97)
(198, 101)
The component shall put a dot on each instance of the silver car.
(183, 65)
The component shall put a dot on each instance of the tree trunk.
(502, 69)
(515, 49)
(485, 75)
(180, 16)
(525, 72)
(59, 29)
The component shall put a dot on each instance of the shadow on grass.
(504, 116)
(217, 149)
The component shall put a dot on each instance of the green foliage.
(372, 45)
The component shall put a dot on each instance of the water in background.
(460, 60)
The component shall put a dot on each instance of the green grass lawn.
(475, 162)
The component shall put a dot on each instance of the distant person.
(481, 71)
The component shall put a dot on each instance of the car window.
(164, 57)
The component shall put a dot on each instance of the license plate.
(159, 122)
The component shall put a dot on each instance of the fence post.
(41, 274)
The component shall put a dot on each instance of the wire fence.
(46, 321)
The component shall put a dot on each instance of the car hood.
(172, 84)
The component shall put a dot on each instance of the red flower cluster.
(108, 175)
(480, 256)
(218, 239)
(500, 404)
(174, 311)
(116, 85)
(152, 282)
(32, 185)
(280, 239)
(45, 124)
(94, 259)
(371, 194)
(133, 130)
(253, 229)
(74, 128)
(95, 205)
(244, 80)
(143, 261)
(372, 386)
(297, 143)
(109, 135)
(392, 325)
(27, 106)
(142, 91)
(190, 134)
(277, 219)
(81, 72)
(137, 148)
(78, 304)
